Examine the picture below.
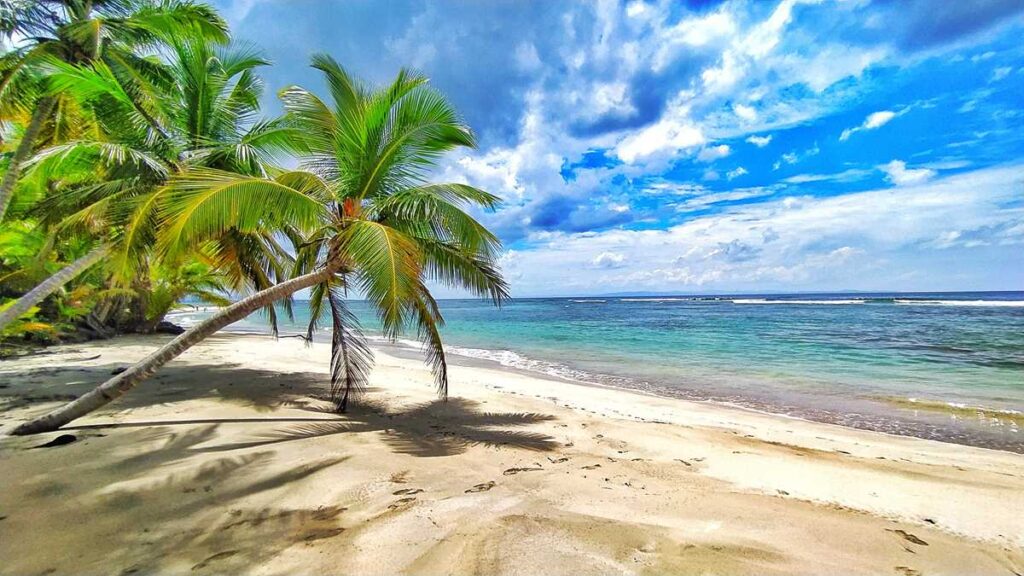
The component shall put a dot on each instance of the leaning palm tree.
(371, 223)
(115, 174)
(119, 33)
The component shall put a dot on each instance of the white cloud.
(636, 9)
(696, 32)
(850, 175)
(836, 242)
(878, 119)
(608, 260)
(713, 153)
(792, 158)
(611, 97)
(736, 173)
(706, 200)
(675, 131)
(760, 141)
(898, 173)
(675, 189)
(874, 121)
(1001, 72)
(830, 64)
(745, 112)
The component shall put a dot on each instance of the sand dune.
(228, 462)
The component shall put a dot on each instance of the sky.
(706, 147)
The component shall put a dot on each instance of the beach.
(229, 460)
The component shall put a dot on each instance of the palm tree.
(372, 224)
(207, 117)
(115, 32)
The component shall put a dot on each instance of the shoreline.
(1010, 437)
(595, 478)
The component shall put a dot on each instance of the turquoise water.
(941, 366)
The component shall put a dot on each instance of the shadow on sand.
(188, 495)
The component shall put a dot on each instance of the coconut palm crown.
(366, 209)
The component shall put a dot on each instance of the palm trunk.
(28, 139)
(125, 381)
(51, 285)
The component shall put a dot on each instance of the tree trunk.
(43, 108)
(51, 285)
(125, 381)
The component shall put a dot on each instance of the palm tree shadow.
(432, 429)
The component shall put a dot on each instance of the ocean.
(944, 366)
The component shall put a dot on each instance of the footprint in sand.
(909, 537)
(557, 460)
(401, 502)
(592, 467)
(214, 558)
(481, 487)
(512, 471)
(322, 533)
(906, 571)
(407, 491)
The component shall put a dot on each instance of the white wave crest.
(808, 302)
(515, 360)
(663, 299)
(995, 303)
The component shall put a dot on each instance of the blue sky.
(711, 146)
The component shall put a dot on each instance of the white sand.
(225, 462)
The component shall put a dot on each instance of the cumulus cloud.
(745, 112)
(674, 132)
(759, 141)
(898, 173)
(608, 260)
(735, 173)
(834, 242)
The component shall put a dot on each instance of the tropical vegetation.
(159, 180)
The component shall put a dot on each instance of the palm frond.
(204, 203)
(459, 269)
(428, 323)
(387, 264)
(351, 357)
(435, 212)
